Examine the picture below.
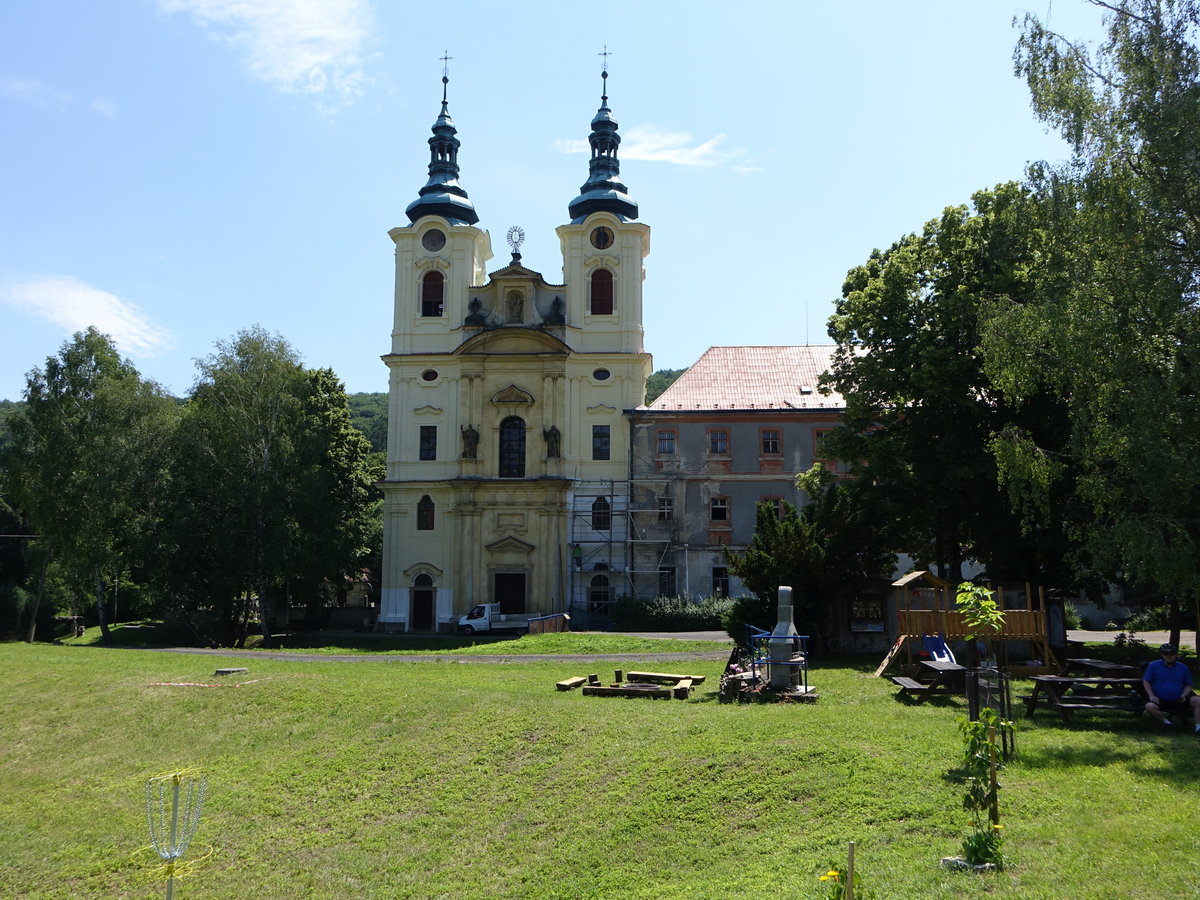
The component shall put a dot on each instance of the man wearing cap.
(1168, 685)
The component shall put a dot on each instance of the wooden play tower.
(925, 606)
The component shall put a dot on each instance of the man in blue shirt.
(1168, 685)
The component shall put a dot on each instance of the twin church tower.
(507, 435)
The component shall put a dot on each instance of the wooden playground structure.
(925, 606)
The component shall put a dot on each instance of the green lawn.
(149, 634)
(475, 780)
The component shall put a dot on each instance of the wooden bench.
(662, 677)
(1066, 694)
(923, 689)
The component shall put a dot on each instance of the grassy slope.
(456, 780)
(343, 643)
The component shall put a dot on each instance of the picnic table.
(935, 677)
(1068, 693)
(1101, 667)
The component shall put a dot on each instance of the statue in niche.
(553, 442)
(470, 442)
(515, 305)
(476, 316)
(555, 316)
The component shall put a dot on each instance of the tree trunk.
(243, 623)
(37, 601)
(265, 608)
(1196, 622)
(1174, 619)
(100, 616)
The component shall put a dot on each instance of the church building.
(508, 442)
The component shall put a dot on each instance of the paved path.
(1153, 639)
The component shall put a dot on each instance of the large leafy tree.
(1118, 342)
(87, 462)
(919, 408)
(273, 482)
(338, 510)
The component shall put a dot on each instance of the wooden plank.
(651, 691)
(569, 684)
(682, 689)
(887, 660)
(910, 684)
(662, 677)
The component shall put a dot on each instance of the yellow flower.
(997, 827)
(824, 877)
(833, 873)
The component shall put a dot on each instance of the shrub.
(669, 613)
(757, 611)
(1154, 618)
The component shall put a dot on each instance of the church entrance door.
(510, 592)
(422, 604)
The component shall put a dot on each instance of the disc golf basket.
(173, 806)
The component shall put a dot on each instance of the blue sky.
(174, 171)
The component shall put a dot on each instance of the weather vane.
(606, 54)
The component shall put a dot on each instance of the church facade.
(508, 441)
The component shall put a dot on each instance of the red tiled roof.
(753, 378)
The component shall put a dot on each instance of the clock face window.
(433, 240)
(602, 238)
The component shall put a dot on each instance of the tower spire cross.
(605, 54)
(445, 57)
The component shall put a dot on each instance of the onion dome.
(604, 191)
(442, 194)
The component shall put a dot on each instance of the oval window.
(429, 375)
(602, 374)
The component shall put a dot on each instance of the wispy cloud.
(653, 144)
(33, 92)
(73, 305)
(104, 107)
(301, 46)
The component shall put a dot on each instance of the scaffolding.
(653, 538)
(599, 533)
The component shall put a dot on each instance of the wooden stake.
(993, 799)
(850, 874)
